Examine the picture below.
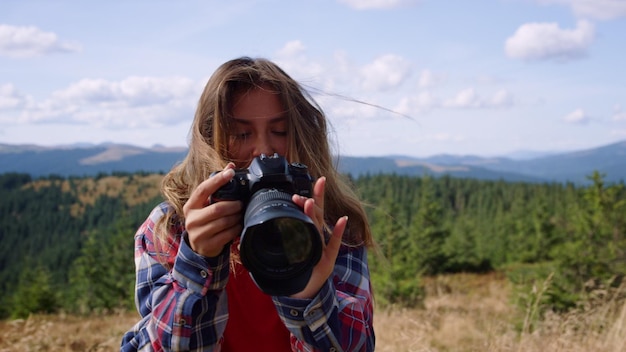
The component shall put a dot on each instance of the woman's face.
(259, 126)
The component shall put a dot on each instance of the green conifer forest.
(66, 244)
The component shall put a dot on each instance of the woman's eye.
(241, 135)
(280, 133)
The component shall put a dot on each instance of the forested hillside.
(63, 239)
(67, 242)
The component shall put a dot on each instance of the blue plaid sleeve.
(340, 317)
(183, 308)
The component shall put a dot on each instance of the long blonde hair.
(208, 145)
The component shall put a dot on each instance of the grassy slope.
(463, 313)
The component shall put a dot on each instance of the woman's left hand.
(314, 208)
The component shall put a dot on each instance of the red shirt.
(253, 323)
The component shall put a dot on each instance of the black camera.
(279, 244)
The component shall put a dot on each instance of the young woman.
(192, 291)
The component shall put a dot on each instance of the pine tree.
(34, 293)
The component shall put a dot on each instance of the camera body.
(266, 172)
(279, 243)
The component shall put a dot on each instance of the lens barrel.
(280, 244)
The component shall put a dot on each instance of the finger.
(213, 246)
(334, 243)
(308, 206)
(299, 200)
(219, 225)
(318, 191)
(315, 213)
(199, 196)
(221, 209)
(208, 220)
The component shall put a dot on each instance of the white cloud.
(89, 90)
(30, 41)
(132, 102)
(11, 98)
(470, 99)
(421, 103)
(430, 79)
(132, 91)
(502, 98)
(466, 98)
(599, 9)
(594, 9)
(292, 58)
(540, 41)
(619, 116)
(352, 112)
(385, 73)
(618, 113)
(292, 48)
(378, 4)
(578, 116)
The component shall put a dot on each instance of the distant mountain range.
(90, 160)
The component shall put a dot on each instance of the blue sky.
(481, 77)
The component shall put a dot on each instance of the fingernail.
(228, 174)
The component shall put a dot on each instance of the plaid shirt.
(185, 308)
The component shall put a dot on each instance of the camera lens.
(280, 245)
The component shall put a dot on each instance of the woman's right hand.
(211, 226)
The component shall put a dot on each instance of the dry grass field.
(461, 313)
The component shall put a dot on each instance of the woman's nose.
(263, 146)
